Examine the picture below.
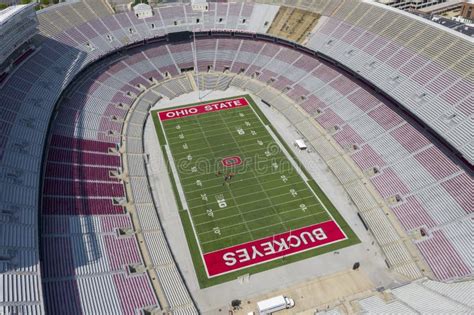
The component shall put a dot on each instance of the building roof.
(441, 6)
(446, 22)
(466, 29)
(420, 18)
(142, 7)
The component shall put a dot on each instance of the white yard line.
(241, 180)
(258, 192)
(288, 155)
(298, 168)
(241, 214)
(257, 179)
(218, 128)
(200, 149)
(176, 176)
(243, 188)
(178, 182)
(258, 209)
(268, 216)
(215, 128)
(194, 137)
(197, 150)
(248, 165)
(260, 228)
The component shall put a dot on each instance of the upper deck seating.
(439, 93)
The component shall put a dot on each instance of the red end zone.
(202, 109)
(272, 247)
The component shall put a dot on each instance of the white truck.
(274, 304)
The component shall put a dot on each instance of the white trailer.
(274, 304)
(300, 144)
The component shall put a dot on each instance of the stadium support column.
(193, 83)
(190, 77)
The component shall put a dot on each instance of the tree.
(140, 1)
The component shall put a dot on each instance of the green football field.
(236, 183)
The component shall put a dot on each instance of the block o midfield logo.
(231, 161)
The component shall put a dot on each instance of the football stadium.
(234, 157)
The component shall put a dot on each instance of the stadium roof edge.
(11, 11)
(57, 5)
(418, 18)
